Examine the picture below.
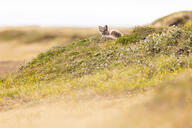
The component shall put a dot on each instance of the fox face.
(104, 30)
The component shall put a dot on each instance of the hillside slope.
(95, 80)
(109, 68)
(178, 18)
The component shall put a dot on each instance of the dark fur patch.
(116, 34)
(105, 33)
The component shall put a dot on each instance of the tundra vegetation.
(146, 59)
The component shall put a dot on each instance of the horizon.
(86, 13)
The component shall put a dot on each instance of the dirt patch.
(7, 67)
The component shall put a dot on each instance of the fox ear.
(106, 27)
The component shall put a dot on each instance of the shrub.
(132, 38)
(174, 40)
(138, 33)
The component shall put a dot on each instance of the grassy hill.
(178, 18)
(134, 63)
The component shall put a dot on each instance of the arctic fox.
(109, 34)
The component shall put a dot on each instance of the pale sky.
(87, 12)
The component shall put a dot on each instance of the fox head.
(104, 30)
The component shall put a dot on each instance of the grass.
(170, 106)
(139, 33)
(107, 68)
(27, 42)
(29, 35)
(47, 35)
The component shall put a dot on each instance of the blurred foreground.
(162, 108)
